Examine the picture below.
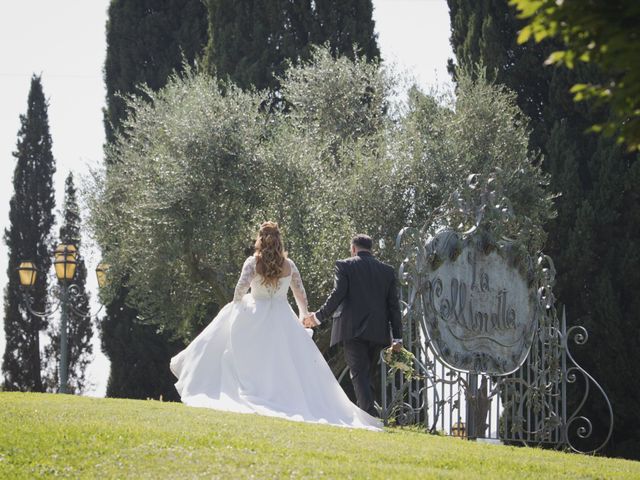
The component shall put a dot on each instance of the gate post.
(472, 406)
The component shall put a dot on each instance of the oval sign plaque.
(481, 311)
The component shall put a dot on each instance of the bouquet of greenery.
(402, 361)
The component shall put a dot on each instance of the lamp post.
(65, 263)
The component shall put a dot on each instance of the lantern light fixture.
(102, 274)
(65, 262)
(28, 273)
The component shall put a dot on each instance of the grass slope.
(58, 435)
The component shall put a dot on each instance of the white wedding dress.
(256, 357)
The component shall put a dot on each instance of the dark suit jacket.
(365, 289)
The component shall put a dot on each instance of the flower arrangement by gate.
(401, 361)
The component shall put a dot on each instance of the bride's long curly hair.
(269, 252)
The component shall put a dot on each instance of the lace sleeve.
(298, 291)
(244, 282)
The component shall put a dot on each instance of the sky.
(64, 41)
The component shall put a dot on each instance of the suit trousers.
(362, 357)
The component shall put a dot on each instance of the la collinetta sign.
(480, 302)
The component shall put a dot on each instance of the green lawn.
(77, 437)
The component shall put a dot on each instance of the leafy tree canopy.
(604, 33)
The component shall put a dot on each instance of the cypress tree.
(79, 328)
(146, 41)
(345, 24)
(252, 41)
(28, 238)
(485, 32)
(139, 355)
(593, 240)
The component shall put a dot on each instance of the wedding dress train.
(256, 357)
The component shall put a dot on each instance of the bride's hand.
(308, 321)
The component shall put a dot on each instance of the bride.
(256, 357)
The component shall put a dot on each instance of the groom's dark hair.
(362, 241)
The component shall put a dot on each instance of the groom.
(365, 292)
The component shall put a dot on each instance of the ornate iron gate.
(535, 405)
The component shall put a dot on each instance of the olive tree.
(200, 167)
(481, 133)
(173, 209)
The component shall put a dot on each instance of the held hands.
(309, 321)
(396, 345)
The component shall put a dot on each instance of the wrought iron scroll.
(75, 297)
